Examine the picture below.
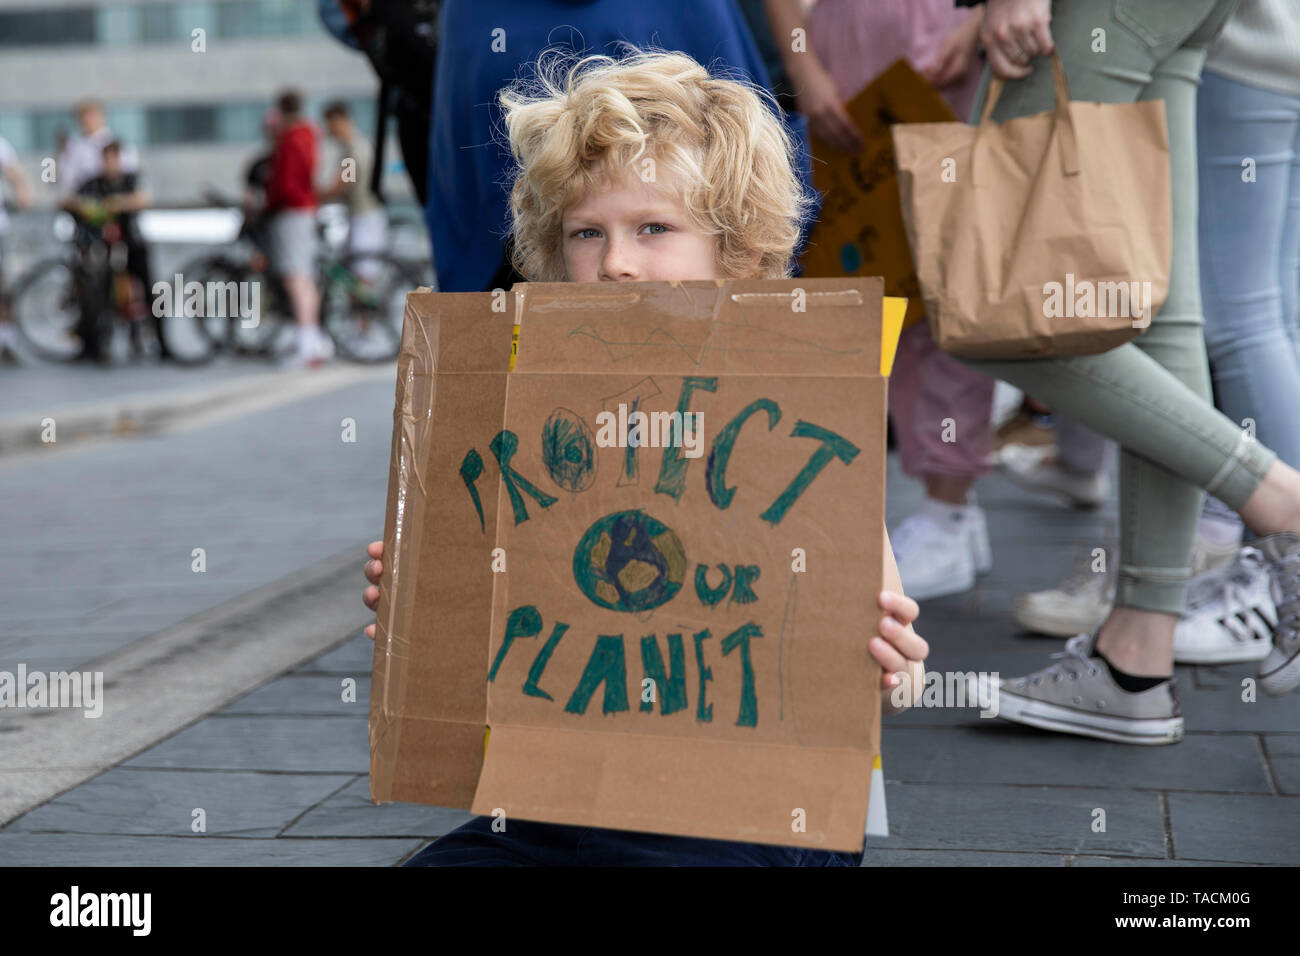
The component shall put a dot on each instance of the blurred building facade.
(186, 81)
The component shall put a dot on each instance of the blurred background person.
(1248, 170)
(291, 226)
(110, 201)
(400, 38)
(82, 156)
(11, 173)
(367, 221)
(941, 547)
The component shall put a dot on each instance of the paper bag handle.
(1063, 125)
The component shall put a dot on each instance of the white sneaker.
(936, 549)
(1036, 468)
(1279, 672)
(1209, 555)
(1231, 614)
(981, 552)
(1078, 605)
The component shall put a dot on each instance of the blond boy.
(639, 169)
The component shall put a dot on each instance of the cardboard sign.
(860, 230)
(636, 530)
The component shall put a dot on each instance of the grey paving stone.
(998, 751)
(161, 802)
(114, 553)
(1240, 827)
(1035, 819)
(71, 849)
(1283, 745)
(880, 855)
(351, 813)
(1123, 861)
(304, 744)
(1282, 751)
(353, 659)
(306, 696)
(1220, 708)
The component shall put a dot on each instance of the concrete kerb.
(148, 412)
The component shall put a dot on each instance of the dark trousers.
(524, 843)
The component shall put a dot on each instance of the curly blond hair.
(578, 123)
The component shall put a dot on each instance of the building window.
(240, 122)
(47, 27)
(171, 125)
(266, 18)
(49, 128)
(157, 22)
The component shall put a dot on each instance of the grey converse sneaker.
(1077, 695)
(1280, 671)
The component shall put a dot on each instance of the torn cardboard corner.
(636, 529)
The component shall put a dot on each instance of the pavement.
(268, 765)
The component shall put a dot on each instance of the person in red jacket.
(291, 207)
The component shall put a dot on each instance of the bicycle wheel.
(223, 310)
(363, 300)
(46, 307)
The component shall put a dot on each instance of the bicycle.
(88, 288)
(362, 297)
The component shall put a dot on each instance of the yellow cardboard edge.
(893, 311)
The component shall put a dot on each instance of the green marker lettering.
(671, 691)
(605, 664)
(504, 447)
(715, 477)
(672, 466)
(703, 713)
(523, 622)
(746, 575)
(833, 446)
(748, 701)
(470, 469)
(710, 596)
(541, 660)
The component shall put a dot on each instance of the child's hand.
(898, 648)
(374, 568)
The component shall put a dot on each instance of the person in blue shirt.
(484, 47)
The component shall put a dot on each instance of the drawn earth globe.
(629, 561)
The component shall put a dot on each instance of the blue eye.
(578, 234)
(657, 225)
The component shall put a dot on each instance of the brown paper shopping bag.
(1044, 235)
(632, 558)
(860, 228)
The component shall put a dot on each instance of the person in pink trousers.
(940, 408)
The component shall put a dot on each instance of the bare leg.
(948, 488)
(305, 298)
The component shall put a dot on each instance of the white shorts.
(292, 239)
(367, 233)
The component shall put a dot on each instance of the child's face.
(633, 231)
